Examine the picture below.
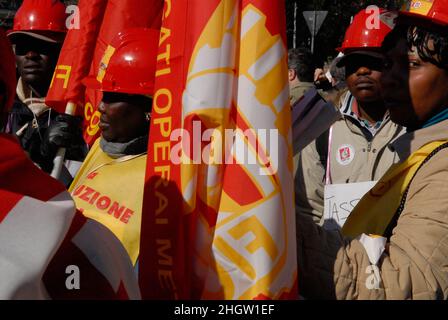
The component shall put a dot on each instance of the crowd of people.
(389, 146)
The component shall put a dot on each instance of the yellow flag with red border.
(218, 214)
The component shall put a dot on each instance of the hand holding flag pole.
(58, 161)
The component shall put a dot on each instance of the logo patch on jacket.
(345, 154)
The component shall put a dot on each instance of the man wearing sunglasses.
(37, 36)
(353, 154)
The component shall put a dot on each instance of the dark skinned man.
(393, 246)
(353, 153)
(109, 186)
(37, 36)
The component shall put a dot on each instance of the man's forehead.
(356, 61)
(124, 97)
(27, 41)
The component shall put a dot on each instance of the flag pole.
(294, 42)
(58, 161)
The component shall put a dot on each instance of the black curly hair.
(431, 44)
(436, 53)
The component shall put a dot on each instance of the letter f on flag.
(62, 72)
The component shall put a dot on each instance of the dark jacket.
(29, 120)
(30, 131)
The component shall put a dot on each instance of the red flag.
(76, 56)
(216, 225)
(119, 15)
(42, 237)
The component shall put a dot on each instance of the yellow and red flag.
(119, 15)
(218, 213)
(76, 56)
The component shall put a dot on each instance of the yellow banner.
(103, 193)
(376, 209)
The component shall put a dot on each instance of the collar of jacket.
(347, 110)
(36, 105)
(410, 142)
(301, 85)
(300, 88)
(118, 150)
(441, 116)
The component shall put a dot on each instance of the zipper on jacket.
(369, 146)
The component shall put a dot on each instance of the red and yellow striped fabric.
(217, 225)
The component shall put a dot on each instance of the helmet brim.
(91, 82)
(361, 52)
(52, 37)
(406, 17)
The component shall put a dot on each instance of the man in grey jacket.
(354, 151)
(300, 73)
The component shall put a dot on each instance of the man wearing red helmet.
(353, 153)
(109, 186)
(394, 244)
(37, 36)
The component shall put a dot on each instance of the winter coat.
(354, 156)
(413, 265)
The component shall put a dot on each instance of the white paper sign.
(374, 246)
(340, 200)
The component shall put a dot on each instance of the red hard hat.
(44, 19)
(129, 63)
(7, 72)
(434, 11)
(368, 31)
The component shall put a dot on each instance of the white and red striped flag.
(42, 236)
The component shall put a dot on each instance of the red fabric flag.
(42, 237)
(217, 227)
(76, 57)
(119, 15)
